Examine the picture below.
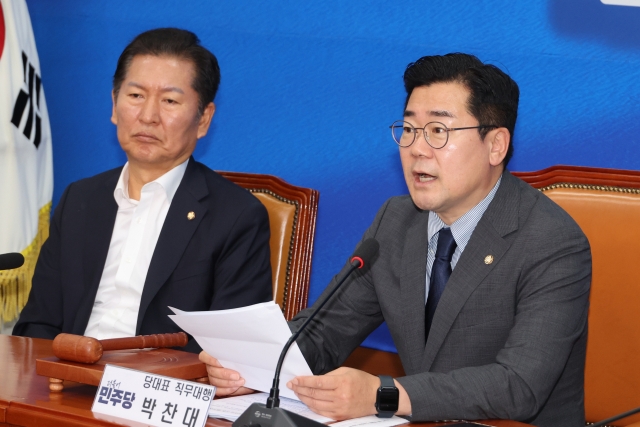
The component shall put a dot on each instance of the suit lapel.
(413, 280)
(175, 235)
(99, 216)
(500, 219)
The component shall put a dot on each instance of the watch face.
(388, 399)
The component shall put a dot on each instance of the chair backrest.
(292, 219)
(606, 205)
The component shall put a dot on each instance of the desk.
(25, 399)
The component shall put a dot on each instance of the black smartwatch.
(387, 397)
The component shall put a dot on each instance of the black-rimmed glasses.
(435, 133)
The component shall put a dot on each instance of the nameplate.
(152, 399)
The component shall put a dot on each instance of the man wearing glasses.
(482, 280)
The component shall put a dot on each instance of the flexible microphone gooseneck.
(365, 251)
(259, 415)
(11, 260)
(616, 418)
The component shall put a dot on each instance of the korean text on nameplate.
(152, 399)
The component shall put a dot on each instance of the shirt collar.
(169, 182)
(463, 227)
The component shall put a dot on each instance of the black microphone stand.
(616, 418)
(274, 395)
(271, 415)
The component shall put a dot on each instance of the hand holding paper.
(227, 381)
(247, 340)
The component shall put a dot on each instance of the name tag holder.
(152, 399)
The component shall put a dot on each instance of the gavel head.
(77, 348)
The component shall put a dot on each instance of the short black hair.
(493, 95)
(176, 43)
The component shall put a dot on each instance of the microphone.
(270, 415)
(11, 260)
(616, 418)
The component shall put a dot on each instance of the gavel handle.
(178, 339)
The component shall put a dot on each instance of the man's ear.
(499, 139)
(205, 119)
(114, 117)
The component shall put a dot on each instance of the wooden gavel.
(77, 348)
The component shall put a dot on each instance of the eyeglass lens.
(404, 133)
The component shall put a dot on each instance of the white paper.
(370, 420)
(231, 408)
(248, 340)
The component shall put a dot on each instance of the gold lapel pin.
(488, 259)
(191, 215)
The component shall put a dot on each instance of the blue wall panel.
(309, 88)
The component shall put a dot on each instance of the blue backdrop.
(309, 88)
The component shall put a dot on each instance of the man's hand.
(341, 394)
(227, 381)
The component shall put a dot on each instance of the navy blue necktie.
(440, 273)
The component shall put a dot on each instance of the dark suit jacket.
(508, 338)
(218, 260)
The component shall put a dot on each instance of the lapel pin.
(488, 259)
(191, 215)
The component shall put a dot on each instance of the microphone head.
(11, 260)
(365, 252)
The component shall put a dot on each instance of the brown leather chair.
(292, 218)
(606, 205)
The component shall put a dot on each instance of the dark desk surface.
(25, 399)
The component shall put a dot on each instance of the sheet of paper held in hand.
(248, 340)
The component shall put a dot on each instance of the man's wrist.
(404, 402)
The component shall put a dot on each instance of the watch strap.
(386, 381)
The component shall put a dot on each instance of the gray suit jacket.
(508, 338)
